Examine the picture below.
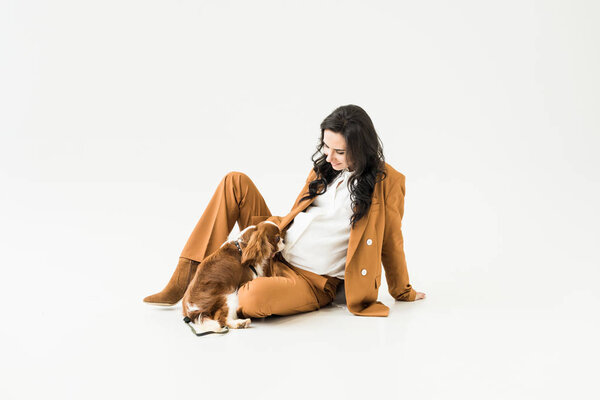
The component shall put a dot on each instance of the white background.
(119, 118)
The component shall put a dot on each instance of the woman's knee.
(252, 303)
(236, 176)
(238, 181)
(257, 296)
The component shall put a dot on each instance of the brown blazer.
(376, 239)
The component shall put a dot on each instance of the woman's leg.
(236, 199)
(292, 291)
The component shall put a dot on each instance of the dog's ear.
(258, 248)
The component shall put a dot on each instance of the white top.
(317, 240)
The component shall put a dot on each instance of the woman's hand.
(420, 296)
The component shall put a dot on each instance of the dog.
(210, 302)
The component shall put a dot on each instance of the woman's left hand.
(420, 296)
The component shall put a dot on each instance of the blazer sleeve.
(392, 255)
(311, 176)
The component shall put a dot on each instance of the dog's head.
(262, 243)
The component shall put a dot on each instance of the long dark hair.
(364, 153)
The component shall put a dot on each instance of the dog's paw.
(239, 323)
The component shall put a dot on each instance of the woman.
(344, 225)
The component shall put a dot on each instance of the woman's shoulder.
(392, 176)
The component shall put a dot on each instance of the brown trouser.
(292, 290)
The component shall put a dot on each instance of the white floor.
(75, 327)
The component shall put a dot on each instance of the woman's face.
(334, 146)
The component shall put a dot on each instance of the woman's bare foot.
(420, 296)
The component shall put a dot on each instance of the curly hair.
(364, 151)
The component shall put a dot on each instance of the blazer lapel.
(355, 235)
(357, 232)
(292, 214)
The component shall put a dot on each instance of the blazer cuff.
(410, 296)
(275, 219)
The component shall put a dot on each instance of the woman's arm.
(311, 176)
(392, 255)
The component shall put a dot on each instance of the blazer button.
(363, 272)
(369, 242)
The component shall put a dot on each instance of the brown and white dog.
(211, 300)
